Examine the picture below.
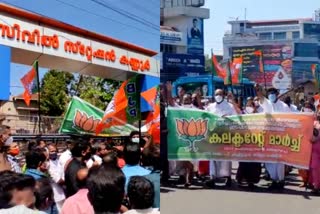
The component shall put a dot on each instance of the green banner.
(279, 137)
(82, 118)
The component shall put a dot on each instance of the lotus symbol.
(192, 131)
(83, 121)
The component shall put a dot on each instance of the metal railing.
(29, 124)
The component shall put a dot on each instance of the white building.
(289, 49)
(181, 42)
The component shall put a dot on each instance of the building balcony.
(179, 3)
(173, 12)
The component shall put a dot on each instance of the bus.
(207, 84)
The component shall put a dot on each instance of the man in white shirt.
(66, 155)
(264, 103)
(222, 108)
(95, 158)
(56, 172)
(292, 107)
(276, 170)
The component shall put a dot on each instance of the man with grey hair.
(222, 108)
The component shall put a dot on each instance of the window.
(265, 36)
(296, 35)
(241, 27)
(168, 48)
(280, 35)
(306, 50)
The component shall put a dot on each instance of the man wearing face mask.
(222, 108)
(56, 173)
(12, 152)
(276, 170)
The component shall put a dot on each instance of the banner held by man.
(281, 137)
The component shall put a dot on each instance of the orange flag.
(236, 70)
(116, 115)
(218, 70)
(28, 82)
(153, 119)
(259, 54)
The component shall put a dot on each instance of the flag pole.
(229, 76)
(212, 74)
(139, 92)
(264, 73)
(39, 96)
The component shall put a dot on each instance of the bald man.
(222, 108)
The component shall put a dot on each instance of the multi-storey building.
(289, 49)
(182, 43)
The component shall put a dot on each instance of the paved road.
(293, 200)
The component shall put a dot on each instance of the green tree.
(208, 62)
(95, 90)
(54, 92)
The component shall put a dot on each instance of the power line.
(156, 27)
(133, 15)
(107, 18)
(143, 9)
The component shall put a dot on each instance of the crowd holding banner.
(264, 131)
(279, 137)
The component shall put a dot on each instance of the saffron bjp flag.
(125, 106)
(152, 96)
(236, 70)
(217, 69)
(30, 83)
(258, 53)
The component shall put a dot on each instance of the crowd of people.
(88, 177)
(248, 173)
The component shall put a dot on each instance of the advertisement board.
(195, 36)
(302, 72)
(171, 37)
(178, 65)
(277, 65)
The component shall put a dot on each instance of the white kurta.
(277, 170)
(266, 106)
(220, 169)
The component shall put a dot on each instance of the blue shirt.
(36, 174)
(136, 170)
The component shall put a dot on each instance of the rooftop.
(272, 22)
(20, 97)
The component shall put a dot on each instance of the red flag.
(218, 69)
(28, 82)
(313, 69)
(259, 54)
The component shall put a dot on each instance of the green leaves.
(54, 92)
(57, 88)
